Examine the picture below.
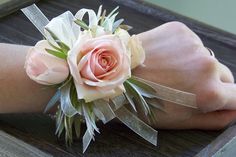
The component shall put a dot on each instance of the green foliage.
(57, 53)
(139, 91)
(53, 101)
(77, 125)
(126, 27)
(82, 24)
(63, 47)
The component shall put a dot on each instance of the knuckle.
(212, 93)
(196, 41)
(185, 32)
(178, 26)
(210, 98)
(209, 64)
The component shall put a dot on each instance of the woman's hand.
(177, 58)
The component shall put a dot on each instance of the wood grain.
(12, 147)
(115, 139)
(9, 6)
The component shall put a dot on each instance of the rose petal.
(74, 55)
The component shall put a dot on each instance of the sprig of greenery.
(125, 27)
(102, 18)
(82, 24)
(62, 45)
(139, 91)
(57, 53)
(60, 51)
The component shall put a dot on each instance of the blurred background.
(218, 13)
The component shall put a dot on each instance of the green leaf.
(55, 47)
(59, 122)
(103, 18)
(137, 96)
(152, 117)
(156, 103)
(82, 24)
(61, 128)
(77, 126)
(112, 12)
(57, 53)
(89, 116)
(142, 85)
(126, 27)
(66, 82)
(74, 99)
(117, 24)
(68, 121)
(130, 100)
(143, 88)
(63, 46)
(52, 102)
(109, 21)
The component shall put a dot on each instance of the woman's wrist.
(18, 92)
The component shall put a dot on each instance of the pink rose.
(99, 66)
(43, 67)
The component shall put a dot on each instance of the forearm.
(18, 92)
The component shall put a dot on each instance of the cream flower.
(43, 67)
(134, 47)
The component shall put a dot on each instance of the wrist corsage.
(90, 64)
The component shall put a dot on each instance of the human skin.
(175, 57)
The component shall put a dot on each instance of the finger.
(211, 120)
(230, 95)
(225, 74)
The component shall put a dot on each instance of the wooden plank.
(12, 147)
(9, 6)
(227, 150)
(222, 145)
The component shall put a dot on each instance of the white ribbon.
(35, 15)
(103, 111)
(66, 105)
(138, 126)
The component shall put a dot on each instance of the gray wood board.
(9, 6)
(115, 139)
(12, 147)
(223, 145)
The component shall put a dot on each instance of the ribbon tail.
(53, 101)
(34, 14)
(87, 138)
(172, 95)
(135, 124)
(103, 111)
(66, 105)
(118, 102)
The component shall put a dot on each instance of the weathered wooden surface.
(115, 139)
(9, 6)
(222, 146)
(12, 147)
